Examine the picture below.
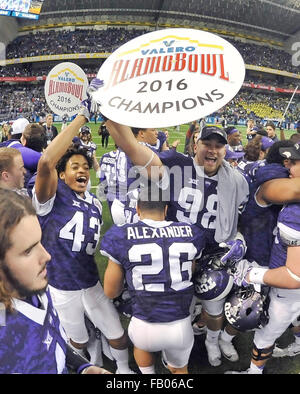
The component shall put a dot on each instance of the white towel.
(232, 191)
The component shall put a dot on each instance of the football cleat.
(228, 350)
(248, 371)
(199, 330)
(213, 353)
(290, 351)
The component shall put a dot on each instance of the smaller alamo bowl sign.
(65, 88)
(169, 77)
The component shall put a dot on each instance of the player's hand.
(236, 252)
(90, 106)
(94, 85)
(94, 370)
(240, 273)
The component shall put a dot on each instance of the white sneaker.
(248, 371)
(213, 353)
(198, 330)
(290, 351)
(228, 350)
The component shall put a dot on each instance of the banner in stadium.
(65, 88)
(169, 77)
(268, 87)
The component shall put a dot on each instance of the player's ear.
(165, 210)
(62, 175)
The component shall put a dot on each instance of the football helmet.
(85, 130)
(212, 282)
(247, 309)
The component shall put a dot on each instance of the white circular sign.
(65, 88)
(169, 77)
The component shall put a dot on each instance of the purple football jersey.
(161, 138)
(30, 156)
(288, 233)
(157, 259)
(90, 146)
(257, 222)
(187, 202)
(108, 175)
(32, 341)
(71, 231)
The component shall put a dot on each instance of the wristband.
(148, 162)
(256, 275)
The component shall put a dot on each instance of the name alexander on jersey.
(163, 232)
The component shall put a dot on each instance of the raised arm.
(139, 154)
(46, 179)
(279, 191)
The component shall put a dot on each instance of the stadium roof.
(277, 19)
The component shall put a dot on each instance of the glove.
(90, 106)
(236, 252)
(239, 272)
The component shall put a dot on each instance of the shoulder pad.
(287, 238)
(270, 171)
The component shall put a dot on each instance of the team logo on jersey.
(76, 204)
(48, 340)
(193, 181)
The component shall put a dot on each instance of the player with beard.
(202, 191)
(32, 340)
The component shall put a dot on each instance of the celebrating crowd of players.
(214, 231)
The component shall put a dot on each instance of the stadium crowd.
(53, 42)
(211, 249)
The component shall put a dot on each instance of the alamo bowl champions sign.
(169, 77)
(65, 88)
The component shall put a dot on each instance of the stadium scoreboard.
(29, 9)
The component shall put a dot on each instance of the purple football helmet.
(247, 309)
(212, 282)
(213, 285)
(123, 303)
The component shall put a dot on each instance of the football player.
(85, 140)
(71, 218)
(203, 190)
(12, 171)
(283, 274)
(123, 208)
(107, 189)
(155, 257)
(32, 340)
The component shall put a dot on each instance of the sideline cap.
(207, 131)
(19, 126)
(266, 143)
(292, 153)
(232, 154)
